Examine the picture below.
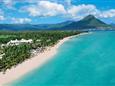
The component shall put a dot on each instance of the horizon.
(57, 11)
(55, 23)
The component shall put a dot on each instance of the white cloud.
(9, 4)
(1, 15)
(68, 2)
(46, 8)
(21, 20)
(36, 1)
(80, 11)
(108, 13)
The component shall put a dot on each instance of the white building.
(17, 42)
(1, 56)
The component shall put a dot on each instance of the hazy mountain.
(89, 22)
(112, 24)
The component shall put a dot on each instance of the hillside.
(89, 22)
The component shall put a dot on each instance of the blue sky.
(54, 11)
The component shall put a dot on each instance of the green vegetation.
(6, 36)
(88, 22)
(16, 54)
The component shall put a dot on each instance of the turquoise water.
(87, 60)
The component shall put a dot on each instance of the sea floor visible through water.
(85, 60)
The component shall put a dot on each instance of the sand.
(30, 64)
(33, 63)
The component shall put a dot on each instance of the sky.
(54, 11)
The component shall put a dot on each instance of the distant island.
(89, 22)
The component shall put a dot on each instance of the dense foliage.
(16, 54)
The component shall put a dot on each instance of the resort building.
(1, 56)
(17, 42)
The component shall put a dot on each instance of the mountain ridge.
(88, 22)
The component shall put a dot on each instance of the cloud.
(9, 3)
(108, 13)
(68, 2)
(36, 1)
(45, 8)
(2, 15)
(49, 8)
(80, 11)
(21, 20)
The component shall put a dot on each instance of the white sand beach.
(30, 64)
(33, 63)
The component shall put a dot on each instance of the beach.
(30, 64)
(82, 60)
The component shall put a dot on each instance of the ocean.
(85, 60)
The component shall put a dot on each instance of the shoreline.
(32, 63)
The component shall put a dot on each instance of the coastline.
(32, 63)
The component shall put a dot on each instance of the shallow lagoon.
(86, 60)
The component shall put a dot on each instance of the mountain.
(112, 24)
(21, 27)
(16, 27)
(89, 22)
